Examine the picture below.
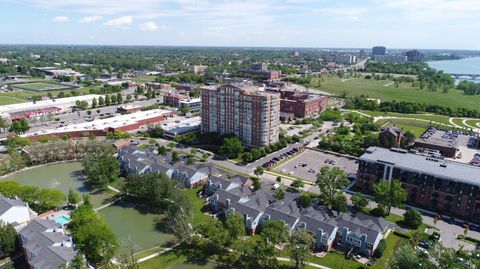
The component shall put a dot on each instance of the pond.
(124, 219)
(61, 176)
(137, 223)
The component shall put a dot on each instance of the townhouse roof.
(313, 225)
(404, 160)
(362, 224)
(275, 214)
(37, 226)
(7, 203)
(53, 257)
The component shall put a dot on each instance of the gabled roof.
(53, 257)
(275, 214)
(7, 203)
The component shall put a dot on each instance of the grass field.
(377, 89)
(24, 96)
(144, 79)
(414, 126)
(40, 86)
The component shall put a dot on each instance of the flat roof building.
(243, 110)
(379, 50)
(172, 129)
(433, 183)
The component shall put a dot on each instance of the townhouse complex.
(135, 160)
(437, 184)
(45, 244)
(357, 232)
(243, 110)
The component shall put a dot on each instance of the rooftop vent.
(443, 165)
(403, 151)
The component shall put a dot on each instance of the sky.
(423, 24)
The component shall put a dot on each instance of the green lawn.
(163, 261)
(144, 79)
(377, 89)
(473, 123)
(40, 86)
(414, 126)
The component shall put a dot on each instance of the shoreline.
(37, 166)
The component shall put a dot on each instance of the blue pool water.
(62, 220)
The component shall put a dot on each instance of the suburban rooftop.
(421, 164)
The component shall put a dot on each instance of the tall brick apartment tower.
(242, 110)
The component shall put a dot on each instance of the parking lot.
(307, 164)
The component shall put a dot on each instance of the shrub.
(412, 218)
(382, 245)
(378, 211)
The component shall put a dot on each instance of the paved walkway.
(316, 265)
(156, 254)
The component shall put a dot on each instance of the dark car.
(474, 227)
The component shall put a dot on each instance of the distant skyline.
(423, 24)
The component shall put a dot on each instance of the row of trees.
(362, 102)
(469, 87)
(41, 200)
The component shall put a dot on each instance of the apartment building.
(243, 110)
(436, 184)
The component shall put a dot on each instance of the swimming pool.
(62, 220)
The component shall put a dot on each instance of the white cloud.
(148, 27)
(60, 19)
(126, 20)
(90, 19)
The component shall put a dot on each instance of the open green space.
(139, 223)
(378, 89)
(143, 79)
(414, 126)
(40, 86)
(428, 117)
(473, 123)
(62, 176)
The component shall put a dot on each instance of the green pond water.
(125, 220)
(62, 176)
(135, 222)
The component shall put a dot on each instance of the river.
(462, 66)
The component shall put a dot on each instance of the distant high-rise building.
(414, 55)
(390, 58)
(260, 66)
(362, 53)
(242, 110)
(295, 53)
(379, 50)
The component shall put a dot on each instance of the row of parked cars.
(283, 156)
(464, 224)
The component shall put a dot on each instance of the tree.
(389, 194)
(279, 194)
(73, 197)
(274, 231)
(101, 169)
(175, 157)
(4, 124)
(359, 201)
(339, 202)
(78, 262)
(246, 157)
(305, 200)
(406, 258)
(299, 246)
(119, 98)
(8, 238)
(101, 101)
(235, 226)
(19, 126)
(382, 245)
(113, 99)
(107, 100)
(331, 181)
(258, 171)
(92, 235)
(231, 147)
(94, 103)
(412, 218)
(127, 254)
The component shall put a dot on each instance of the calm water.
(124, 219)
(62, 177)
(462, 66)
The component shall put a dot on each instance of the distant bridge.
(460, 75)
